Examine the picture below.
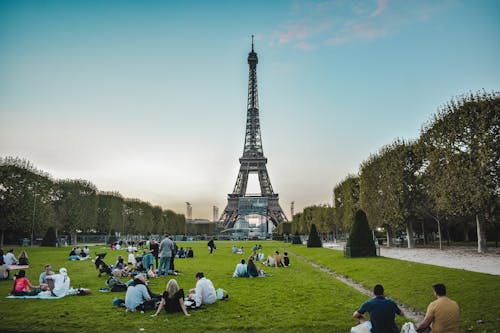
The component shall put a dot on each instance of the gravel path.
(465, 258)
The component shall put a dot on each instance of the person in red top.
(22, 286)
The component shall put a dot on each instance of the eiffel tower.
(252, 161)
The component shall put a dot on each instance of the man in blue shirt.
(137, 294)
(382, 312)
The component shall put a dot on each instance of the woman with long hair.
(172, 299)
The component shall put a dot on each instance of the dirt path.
(409, 312)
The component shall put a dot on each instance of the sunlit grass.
(300, 298)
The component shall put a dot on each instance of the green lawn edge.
(296, 299)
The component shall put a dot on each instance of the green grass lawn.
(296, 299)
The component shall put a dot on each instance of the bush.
(296, 238)
(360, 242)
(314, 240)
(50, 238)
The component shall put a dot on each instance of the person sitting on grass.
(23, 287)
(204, 292)
(172, 299)
(382, 312)
(23, 259)
(4, 271)
(270, 261)
(181, 254)
(241, 269)
(286, 259)
(9, 258)
(137, 296)
(278, 259)
(61, 282)
(252, 269)
(189, 252)
(42, 279)
(73, 255)
(120, 268)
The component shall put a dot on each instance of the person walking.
(443, 314)
(211, 245)
(166, 251)
(382, 312)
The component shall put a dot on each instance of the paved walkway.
(466, 258)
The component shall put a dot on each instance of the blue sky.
(148, 98)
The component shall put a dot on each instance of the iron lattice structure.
(253, 160)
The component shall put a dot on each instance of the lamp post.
(34, 212)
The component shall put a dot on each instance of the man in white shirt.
(241, 269)
(204, 293)
(61, 282)
(9, 258)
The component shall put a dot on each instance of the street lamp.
(34, 212)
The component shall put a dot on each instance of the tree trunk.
(439, 234)
(466, 232)
(1, 241)
(388, 235)
(481, 235)
(423, 233)
(409, 235)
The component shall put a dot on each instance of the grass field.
(295, 299)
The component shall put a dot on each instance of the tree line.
(445, 181)
(31, 201)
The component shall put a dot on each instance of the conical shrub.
(314, 240)
(360, 242)
(50, 238)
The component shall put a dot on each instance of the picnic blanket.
(11, 267)
(40, 296)
(46, 295)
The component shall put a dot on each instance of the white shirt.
(205, 292)
(61, 284)
(9, 258)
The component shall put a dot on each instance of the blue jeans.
(164, 263)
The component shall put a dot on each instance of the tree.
(461, 146)
(314, 240)
(25, 199)
(109, 212)
(389, 183)
(346, 201)
(360, 242)
(76, 206)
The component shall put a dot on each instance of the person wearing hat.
(61, 282)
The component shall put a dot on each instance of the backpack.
(115, 284)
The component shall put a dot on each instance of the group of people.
(78, 253)
(277, 260)
(140, 298)
(8, 260)
(49, 283)
(442, 315)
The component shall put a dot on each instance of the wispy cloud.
(333, 22)
(381, 5)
